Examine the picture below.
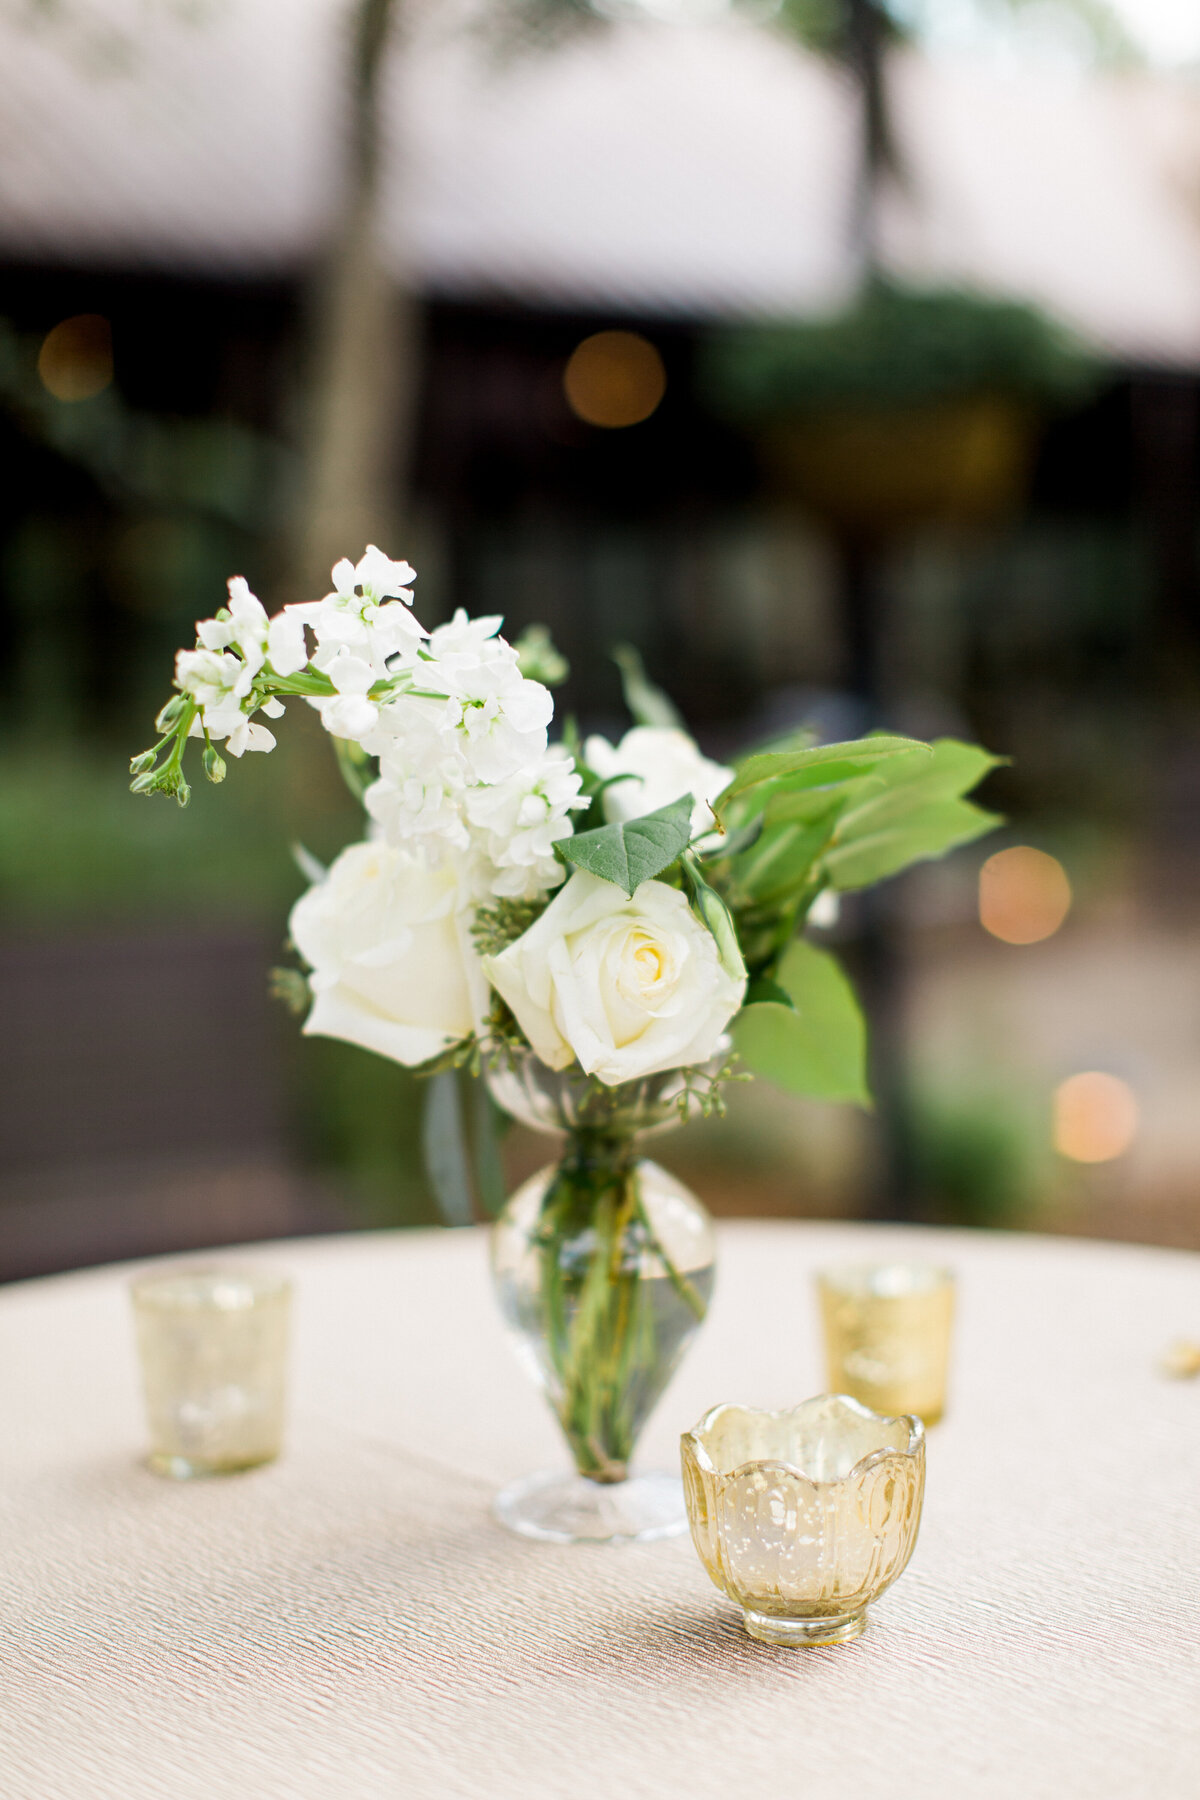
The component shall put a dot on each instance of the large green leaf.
(818, 1045)
(818, 764)
(783, 804)
(924, 832)
(948, 769)
(630, 853)
(910, 809)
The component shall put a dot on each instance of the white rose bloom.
(392, 966)
(626, 987)
(663, 763)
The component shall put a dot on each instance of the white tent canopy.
(698, 170)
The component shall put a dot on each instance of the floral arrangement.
(616, 909)
(600, 929)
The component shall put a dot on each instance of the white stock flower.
(366, 615)
(350, 716)
(518, 822)
(213, 678)
(662, 764)
(387, 942)
(220, 682)
(625, 987)
(245, 736)
(248, 623)
(286, 648)
(502, 716)
(424, 810)
(378, 577)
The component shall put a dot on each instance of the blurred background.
(842, 355)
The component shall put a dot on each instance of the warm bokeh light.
(614, 378)
(1095, 1117)
(75, 360)
(1024, 895)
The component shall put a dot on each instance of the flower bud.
(538, 659)
(145, 784)
(170, 713)
(214, 764)
(141, 763)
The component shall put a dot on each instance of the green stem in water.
(595, 1241)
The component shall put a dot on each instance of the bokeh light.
(614, 378)
(76, 360)
(1024, 895)
(1095, 1117)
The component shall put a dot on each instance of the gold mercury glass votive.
(213, 1348)
(803, 1517)
(887, 1335)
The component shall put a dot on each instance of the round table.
(350, 1623)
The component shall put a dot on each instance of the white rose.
(627, 987)
(663, 763)
(391, 964)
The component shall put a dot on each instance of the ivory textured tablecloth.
(351, 1622)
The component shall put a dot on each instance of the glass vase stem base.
(804, 1633)
(560, 1508)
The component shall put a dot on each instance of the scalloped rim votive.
(814, 1522)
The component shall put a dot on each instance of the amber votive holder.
(803, 1517)
(213, 1348)
(887, 1335)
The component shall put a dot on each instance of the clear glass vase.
(603, 1265)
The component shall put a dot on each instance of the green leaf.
(817, 1045)
(733, 843)
(628, 854)
(780, 864)
(716, 915)
(763, 991)
(910, 808)
(647, 704)
(444, 1144)
(819, 764)
(950, 769)
(927, 831)
(486, 1121)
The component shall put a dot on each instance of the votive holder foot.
(804, 1633)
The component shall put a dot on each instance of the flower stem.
(600, 1258)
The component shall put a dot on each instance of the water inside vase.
(600, 1316)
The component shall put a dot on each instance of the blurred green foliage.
(979, 1154)
(357, 1119)
(75, 845)
(895, 347)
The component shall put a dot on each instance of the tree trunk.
(364, 346)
